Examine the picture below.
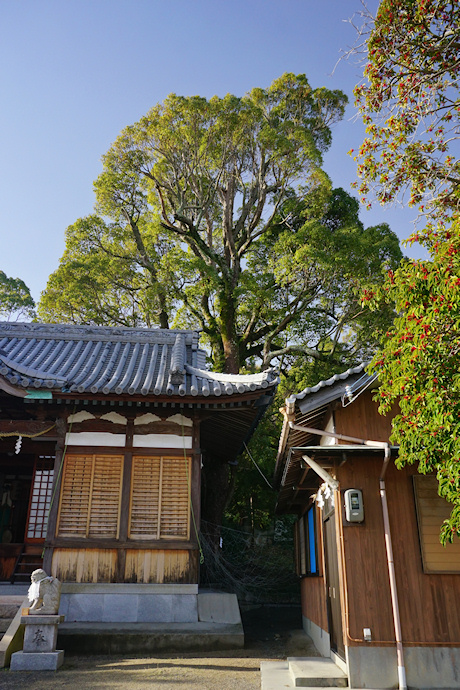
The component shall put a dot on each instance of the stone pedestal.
(39, 653)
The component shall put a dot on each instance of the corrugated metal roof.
(93, 359)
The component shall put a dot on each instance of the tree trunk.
(228, 333)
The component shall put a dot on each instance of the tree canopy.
(15, 299)
(216, 214)
(410, 103)
(412, 108)
(419, 367)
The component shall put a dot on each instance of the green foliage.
(419, 363)
(15, 299)
(253, 501)
(102, 280)
(216, 215)
(410, 104)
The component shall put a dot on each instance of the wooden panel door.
(333, 586)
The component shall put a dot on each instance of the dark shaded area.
(268, 628)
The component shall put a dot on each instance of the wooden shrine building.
(103, 433)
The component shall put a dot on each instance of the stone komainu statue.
(44, 593)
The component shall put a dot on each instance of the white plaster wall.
(161, 441)
(95, 438)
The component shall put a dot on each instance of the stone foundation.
(125, 603)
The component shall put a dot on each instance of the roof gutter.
(386, 523)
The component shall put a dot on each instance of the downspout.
(388, 542)
(391, 572)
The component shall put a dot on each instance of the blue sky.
(73, 73)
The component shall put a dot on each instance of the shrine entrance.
(25, 496)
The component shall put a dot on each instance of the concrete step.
(4, 625)
(136, 638)
(301, 673)
(9, 606)
(316, 673)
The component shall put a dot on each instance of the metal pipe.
(391, 572)
(340, 437)
(321, 472)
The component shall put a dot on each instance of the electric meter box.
(354, 509)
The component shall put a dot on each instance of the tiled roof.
(329, 382)
(100, 360)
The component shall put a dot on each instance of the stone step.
(277, 675)
(136, 638)
(316, 672)
(4, 625)
(9, 606)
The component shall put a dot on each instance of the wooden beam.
(25, 427)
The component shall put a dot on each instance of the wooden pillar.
(125, 500)
(61, 427)
(196, 476)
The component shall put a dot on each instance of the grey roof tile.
(107, 361)
(329, 382)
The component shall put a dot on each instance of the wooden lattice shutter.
(75, 494)
(145, 492)
(105, 497)
(160, 498)
(90, 496)
(175, 507)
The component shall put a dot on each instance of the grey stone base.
(132, 618)
(426, 667)
(122, 603)
(145, 638)
(320, 637)
(42, 661)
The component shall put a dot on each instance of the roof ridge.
(327, 382)
(83, 332)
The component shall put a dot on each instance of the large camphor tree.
(410, 103)
(216, 215)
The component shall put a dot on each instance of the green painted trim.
(39, 395)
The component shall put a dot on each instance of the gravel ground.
(271, 632)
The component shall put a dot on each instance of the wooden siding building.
(348, 606)
(103, 432)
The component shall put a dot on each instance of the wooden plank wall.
(366, 569)
(157, 566)
(314, 600)
(429, 603)
(362, 420)
(84, 565)
(142, 566)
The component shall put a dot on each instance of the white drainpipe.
(388, 542)
(391, 572)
